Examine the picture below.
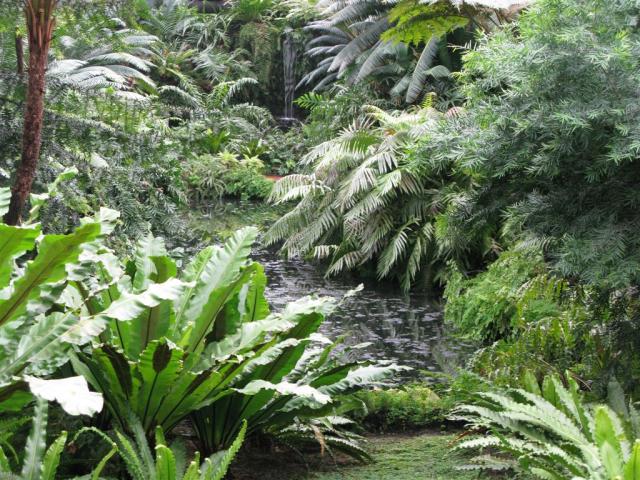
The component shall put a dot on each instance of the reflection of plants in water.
(399, 327)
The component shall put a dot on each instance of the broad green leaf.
(40, 343)
(154, 322)
(252, 299)
(55, 252)
(215, 269)
(158, 369)
(14, 241)
(149, 249)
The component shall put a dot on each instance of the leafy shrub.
(500, 301)
(556, 157)
(411, 407)
(553, 433)
(212, 177)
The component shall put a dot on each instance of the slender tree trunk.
(19, 54)
(40, 24)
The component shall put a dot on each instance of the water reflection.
(406, 329)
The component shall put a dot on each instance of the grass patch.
(427, 456)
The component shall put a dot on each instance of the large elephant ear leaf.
(55, 253)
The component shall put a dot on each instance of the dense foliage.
(482, 151)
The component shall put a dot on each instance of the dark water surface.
(405, 328)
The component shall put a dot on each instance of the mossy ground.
(424, 456)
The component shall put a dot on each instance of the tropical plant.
(368, 200)
(556, 158)
(210, 337)
(274, 398)
(553, 433)
(40, 462)
(512, 293)
(356, 40)
(169, 462)
(37, 330)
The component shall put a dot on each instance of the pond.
(407, 329)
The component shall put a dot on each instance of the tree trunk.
(19, 54)
(40, 23)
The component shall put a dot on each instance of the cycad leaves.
(5, 198)
(632, 468)
(568, 440)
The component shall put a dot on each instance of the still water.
(405, 328)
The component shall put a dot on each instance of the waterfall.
(289, 62)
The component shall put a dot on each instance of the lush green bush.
(212, 177)
(551, 140)
(411, 407)
(501, 301)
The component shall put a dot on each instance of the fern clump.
(494, 304)
(553, 433)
